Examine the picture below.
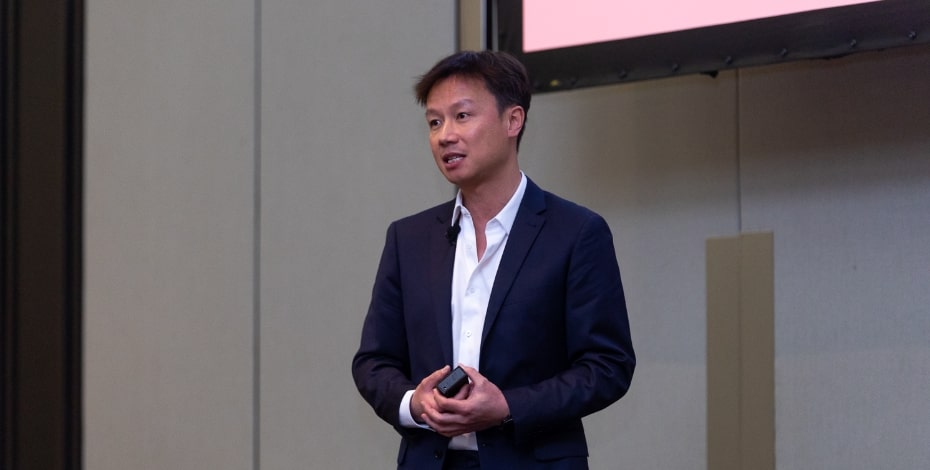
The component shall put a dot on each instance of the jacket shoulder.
(564, 210)
(441, 213)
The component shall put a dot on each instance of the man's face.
(472, 142)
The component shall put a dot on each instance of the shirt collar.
(506, 216)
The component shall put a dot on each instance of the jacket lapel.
(441, 260)
(523, 234)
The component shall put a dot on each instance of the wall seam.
(256, 235)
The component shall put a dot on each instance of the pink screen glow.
(549, 24)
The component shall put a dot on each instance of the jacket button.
(437, 454)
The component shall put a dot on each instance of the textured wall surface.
(243, 160)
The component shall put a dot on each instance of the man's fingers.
(447, 424)
(423, 393)
(433, 379)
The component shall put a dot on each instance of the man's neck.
(486, 201)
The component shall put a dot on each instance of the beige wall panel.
(472, 19)
(740, 353)
(757, 351)
(168, 235)
(723, 354)
(836, 161)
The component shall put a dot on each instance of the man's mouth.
(452, 157)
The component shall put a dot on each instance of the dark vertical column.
(41, 211)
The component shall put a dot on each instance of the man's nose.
(448, 134)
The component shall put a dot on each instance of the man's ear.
(515, 119)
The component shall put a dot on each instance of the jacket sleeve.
(381, 367)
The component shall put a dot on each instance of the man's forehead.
(474, 90)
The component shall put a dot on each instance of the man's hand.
(479, 405)
(423, 395)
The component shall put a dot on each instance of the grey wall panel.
(168, 240)
(836, 161)
(658, 160)
(344, 152)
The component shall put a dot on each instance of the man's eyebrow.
(457, 104)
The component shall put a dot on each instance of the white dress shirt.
(472, 280)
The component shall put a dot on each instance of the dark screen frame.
(41, 234)
(818, 34)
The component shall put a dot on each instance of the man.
(517, 285)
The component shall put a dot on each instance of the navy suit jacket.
(556, 337)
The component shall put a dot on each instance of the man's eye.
(462, 115)
(433, 123)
